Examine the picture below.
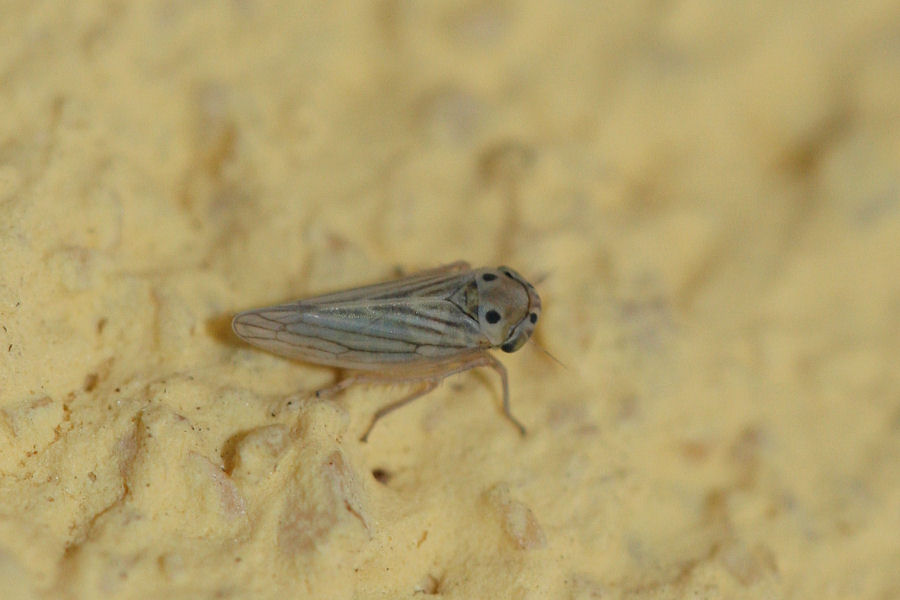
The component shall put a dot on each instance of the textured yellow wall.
(708, 193)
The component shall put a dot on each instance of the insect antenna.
(547, 352)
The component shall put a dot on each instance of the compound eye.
(492, 316)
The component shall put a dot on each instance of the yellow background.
(706, 194)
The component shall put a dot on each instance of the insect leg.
(427, 387)
(490, 361)
(340, 386)
(484, 359)
(429, 379)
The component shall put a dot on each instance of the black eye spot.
(492, 316)
(508, 347)
(533, 317)
(489, 277)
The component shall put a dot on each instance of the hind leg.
(384, 410)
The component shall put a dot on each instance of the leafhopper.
(418, 329)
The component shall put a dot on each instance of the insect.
(420, 328)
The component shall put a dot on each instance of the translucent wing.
(416, 319)
(435, 283)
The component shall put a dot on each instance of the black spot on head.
(492, 316)
(533, 317)
(508, 347)
(489, 277)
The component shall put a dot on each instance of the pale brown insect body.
(421, 328)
